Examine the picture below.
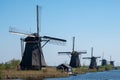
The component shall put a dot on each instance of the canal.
(107, 75)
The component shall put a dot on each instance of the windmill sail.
(54, 40)
(73, 44)
(15, 31)
(37, 9)
(82, 52)
(64, 52)
(22, 46)
(87, 58)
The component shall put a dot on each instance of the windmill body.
(75, 60)
(104, 62)
(93, 63)
(32, 56)
(111, 62)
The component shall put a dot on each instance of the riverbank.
(48, 72)
(105, 75)
(32, 74)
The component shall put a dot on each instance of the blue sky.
(93, 22)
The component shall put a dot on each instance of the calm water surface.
(108, 75)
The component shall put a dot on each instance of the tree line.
(12, 64)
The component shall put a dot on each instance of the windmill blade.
(64, 52)
(103, 55)
(68, 53)
(14, 31)
(110, 58)
(91, 51)
(37, 9)
(73, 44)
(87, 58)
(38, 12)
(53, 40)
(98, 57)
(82, 52)
(22, 45)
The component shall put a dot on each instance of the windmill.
(93, 63)
(75, 61)
(111, 62)
(32, 56)
(103, 61)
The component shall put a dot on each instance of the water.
(107, 75)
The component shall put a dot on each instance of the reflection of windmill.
(111, 62)
(33, 57)
(103, 61)
(93, 63)
(75, 61)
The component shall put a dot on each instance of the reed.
(33, 74)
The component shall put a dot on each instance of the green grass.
(1, 74)
(85, 69)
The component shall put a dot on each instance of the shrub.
(108, 67)
(1, 74)
(44, 70)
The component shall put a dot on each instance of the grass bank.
(32, 74)
(85, 69)
(8, 71)
(48, 72)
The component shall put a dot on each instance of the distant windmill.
(75, 61)
(111, 62)
(93, 63)
(103, 61)
(32, 56)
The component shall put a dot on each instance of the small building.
(65, 68)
